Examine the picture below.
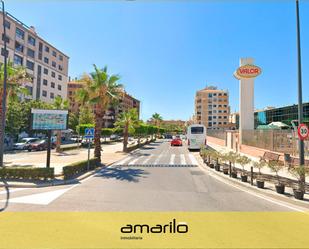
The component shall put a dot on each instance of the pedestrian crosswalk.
(162, 159)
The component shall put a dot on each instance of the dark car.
(40, 145)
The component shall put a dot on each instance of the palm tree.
(127, 121)
(100, 90)
(16, 76)
(156, 118)
(60, 104)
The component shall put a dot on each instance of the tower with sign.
(246, 74)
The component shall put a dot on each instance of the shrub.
(26, 173)
(79, 167)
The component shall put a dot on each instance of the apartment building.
(126, 102)
(46, 65)
(212, 108)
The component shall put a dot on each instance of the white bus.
(196, 136)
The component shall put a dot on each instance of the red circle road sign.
(303, 131)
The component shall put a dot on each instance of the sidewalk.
(284, 172)
(111, 153)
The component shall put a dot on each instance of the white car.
(24, 143)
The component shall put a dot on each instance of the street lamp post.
(4, 52)
(300, 101)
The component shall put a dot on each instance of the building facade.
(212, 108)
(126, 102)
(73, 87)
(46, 65)
(284, 114)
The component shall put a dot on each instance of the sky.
(165, 51)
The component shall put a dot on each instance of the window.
(54, 53)
(19, 47)
(44, 93)
(209, 124)
(45, 82)
(30, 52)
(219, 105)
(40, 46)
(52, 95)
(30, 89)
(209, 95)
(224, 123)
(214, 123)
(215, 105)
(18, 60)
(30, 65)
(214, 117)
(47, 49)
(60, 67)
(210, 118)
(53, 74)
(31, 40)
(60, 57)
(215, 94)
(7, 24)
(52, 84)
(46, 60)
(219, 111)
(53, 64)
(59, 77)
(220, 123)
(20, 34)
(45, 71)
(225, 94)
(220, 94)
(59, 87)
(209, 112)
(214, 111)
(197, 130)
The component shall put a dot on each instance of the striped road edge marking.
(123, 161)
(147, 159)
(182, 159)
(133, 161)
(193, 159)
(158, 158)
(172, 160)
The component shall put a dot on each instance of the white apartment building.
(47, 66)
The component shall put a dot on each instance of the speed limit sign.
(303, 131)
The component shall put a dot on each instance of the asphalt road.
(156, 178)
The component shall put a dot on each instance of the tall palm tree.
(156, 118)
(60, 104)
(100, 90)
(16, 76)
(127, 121)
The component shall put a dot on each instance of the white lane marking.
(41, 198)
(254, 194)
(123, 161)
(193, 159)
(13, 190)
(158, 158)
(172, 160)
(182, 159)
(133, 161)
(147, 159)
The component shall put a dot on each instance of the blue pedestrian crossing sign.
(89, 133)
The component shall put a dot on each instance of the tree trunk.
(97, 134)
(125, 138)
(58, 142)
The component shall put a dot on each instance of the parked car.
(176, 141)
(40, 145)
(85, 142)
(114, 137)
(168, 136)
(24, 143)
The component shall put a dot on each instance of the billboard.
(49, 119)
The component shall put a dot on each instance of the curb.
(262, 192)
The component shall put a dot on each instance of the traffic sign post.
(89, 135)
(303, 131)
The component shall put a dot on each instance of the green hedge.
(79, 167)
(26, 173)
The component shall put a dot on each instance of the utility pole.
(300, 100)
(4, 52)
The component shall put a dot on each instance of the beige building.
(212, 108)
(47, 66)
